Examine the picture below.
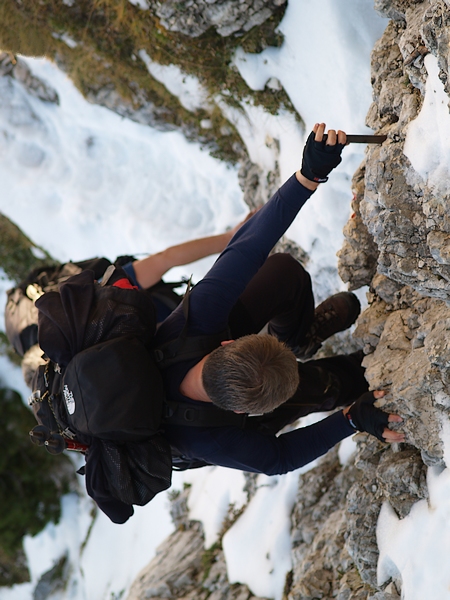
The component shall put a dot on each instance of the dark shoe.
(335, 314)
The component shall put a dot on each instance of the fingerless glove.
(319, 159)
(364, 416)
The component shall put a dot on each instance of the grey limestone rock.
(228, 17)
(408, 356)
(399, 475)
(53, 581)
(18, 69)
(408, 221)
(322, 566)
(173, 571)
(183, 569)
(404, 331)
(358, 255)
(258, 187)
(138, 108)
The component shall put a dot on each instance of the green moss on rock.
(18, 254)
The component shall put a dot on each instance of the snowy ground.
(80, 181)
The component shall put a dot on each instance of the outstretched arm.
(149, 270)
(215, 295)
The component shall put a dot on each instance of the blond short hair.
(254, 374)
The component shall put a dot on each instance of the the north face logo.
(69, 400)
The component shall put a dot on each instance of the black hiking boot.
(335, 314)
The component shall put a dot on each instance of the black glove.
(364, 416)
(319, 159)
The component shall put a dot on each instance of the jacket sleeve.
(254, 452)
(214, 296)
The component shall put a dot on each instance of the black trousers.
(280, 294)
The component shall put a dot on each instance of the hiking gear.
(363, 139)
(21, 315)
(165, 298)
(336, 313)
(364, 416)
(20, 321)
(319, 159)
(102, 389)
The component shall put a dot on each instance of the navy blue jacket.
(210, 304)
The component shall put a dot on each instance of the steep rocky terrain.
(397, 244)
(401, 225)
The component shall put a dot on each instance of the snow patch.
(191, 94)
(142, 4)
(427, 143)
(347, 449)
(324, 61)
(258, 546)
(214, 491)
(416, 549)
(65, 37)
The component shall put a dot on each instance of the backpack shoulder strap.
(187, 348)
(164, 292)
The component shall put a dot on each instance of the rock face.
(227, 16)
(321, 564)
(17, 69)
(358, 255)
(406, 218)
(404, 331)
(137, 108)
(402, 228)
(183, 570)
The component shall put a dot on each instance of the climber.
(258, 376)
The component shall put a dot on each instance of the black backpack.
(21, 315)
(101, 391)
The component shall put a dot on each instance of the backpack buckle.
(68, 433)
(34, 398)
(34, 291)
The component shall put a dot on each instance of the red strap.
(77, 446)
(124, 284)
